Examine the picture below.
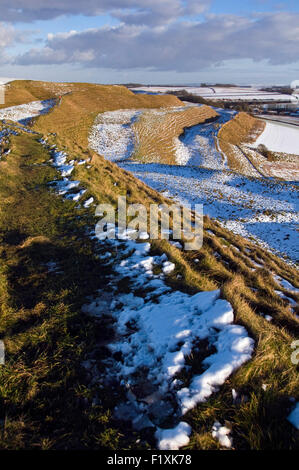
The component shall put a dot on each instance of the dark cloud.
(132, 11)
(180, 46)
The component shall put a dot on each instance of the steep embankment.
(242, 129)
(157, 133)
(243, 140)
(25, 91)
(53, 392)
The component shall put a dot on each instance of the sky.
(151, 41)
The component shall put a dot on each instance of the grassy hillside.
(72, 119)
(47, 399)
(23, 91)
(235, 138)
(155, 132)
(242, 129)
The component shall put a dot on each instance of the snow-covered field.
(223, 93)
(252, 207)
(23, 113)
(112, 136)
(280, 138)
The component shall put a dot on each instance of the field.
(89, 362)
(280, 138)
(218, 93)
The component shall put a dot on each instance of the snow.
(88, 202)
(234, 348)
(173, 439)
(182, 155)
(65, 185)
(4, 133)
(293, 417)
(234, 395)
(286, 284)
(53, 267)
(166, 325)
(197, 144)
(176, 244)
(154, 333)
(76, 196)
(168, 267)
(24, 112)
(238, 202)
(112, 136)
(155, 329)
(280, 138)
(221, 433)
(285, 297)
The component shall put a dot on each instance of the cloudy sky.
(151, 41)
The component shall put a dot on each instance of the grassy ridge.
(155, 132)
(72, 119)
(47, 400)
(23, 91)
(242, 129)
(43, 386)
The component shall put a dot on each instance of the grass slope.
(72, 119)
(242, 129)
(47, 399)
(23, 91)
(156, 132)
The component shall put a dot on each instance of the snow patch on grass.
(24, 112)
(112, 136)
(173, 439)
(88, 202)
(221, 433)
(154, 333)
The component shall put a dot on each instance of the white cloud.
(182, 46)
(8, 36)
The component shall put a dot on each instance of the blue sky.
(248, 6)
(157, 41)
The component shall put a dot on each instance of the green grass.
(44, 389)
